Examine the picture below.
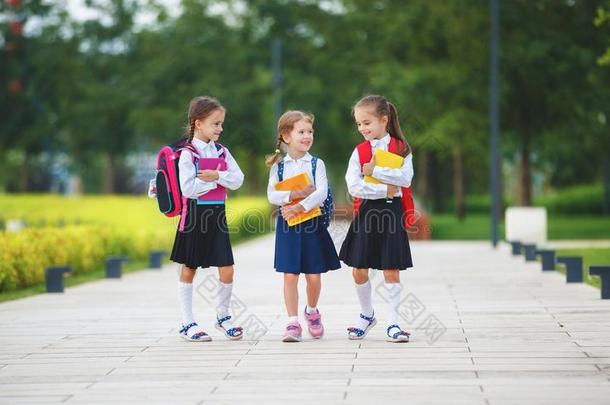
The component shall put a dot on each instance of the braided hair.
(284, 125)
(199, 109)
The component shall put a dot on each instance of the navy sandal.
(354, 333)
(235, 333)
(200, 336)
(398, 337)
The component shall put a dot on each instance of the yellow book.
(298, 182)
(385, 159)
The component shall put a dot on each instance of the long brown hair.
(284, 125)
(199, 109)
(382, 107)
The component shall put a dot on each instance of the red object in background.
(16, 27)
(15, 86)
(14, 3)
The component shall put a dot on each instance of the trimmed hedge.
(111, 226)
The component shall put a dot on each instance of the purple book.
(219, 194)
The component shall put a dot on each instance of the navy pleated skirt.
(304, 248)
(205, 240)
(377, 238)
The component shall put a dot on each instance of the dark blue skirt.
(304, 248)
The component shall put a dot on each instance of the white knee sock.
(394, 290)
(185, 295)
(224, 298)
(364, 292)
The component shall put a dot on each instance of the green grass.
(478, 227)
(591, 256)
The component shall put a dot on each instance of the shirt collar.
(306, 158)
(201, 145)
(383, 141)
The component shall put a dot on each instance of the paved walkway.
(487, 329)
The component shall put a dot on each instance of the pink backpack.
(167, 181)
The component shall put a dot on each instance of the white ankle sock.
(224, 299)
(310, 310)
(364, 292)
(185, 295)
(394, 290)
(293, 319)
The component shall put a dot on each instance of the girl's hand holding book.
(302, 193)
(367, 168)
(208, 175)
(392, 190)
(289, 211)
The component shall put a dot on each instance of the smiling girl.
(305, 248)
(204, 240)
(377, 237)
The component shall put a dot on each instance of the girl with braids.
(377, 237)
(307, 247)
(203, 241)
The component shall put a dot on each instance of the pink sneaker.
(292, 333)
(314, 324)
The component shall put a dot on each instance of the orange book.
(298, 182)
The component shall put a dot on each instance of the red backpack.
(365, 154)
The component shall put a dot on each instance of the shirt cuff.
(207, 185)
(280, 197)
(381, 190)
(377, 172)
(222, 175)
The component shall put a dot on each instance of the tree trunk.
(606, 182)
(24, 175)
(458, 183)
(108, 180)
(525, 175)
(253, 175)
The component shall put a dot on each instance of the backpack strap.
(191, 148)
(280, 170)
(222, 151)
(365, 152)
(314, 166)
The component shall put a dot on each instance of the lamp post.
(494, 120)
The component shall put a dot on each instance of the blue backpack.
(328, 207)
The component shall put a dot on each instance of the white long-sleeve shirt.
(191, 186)
(293, 167)
(354, 178)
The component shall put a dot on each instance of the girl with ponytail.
(377, 237)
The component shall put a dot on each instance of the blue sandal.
(200, 336)
(354, 333)
(398, 337)
(235, 333)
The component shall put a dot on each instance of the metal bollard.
(604, 274)
(548, 259)
(573, 268)
(114, 266)
(54, 277)
(530, 252)
(156, 256)
(516, 248)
